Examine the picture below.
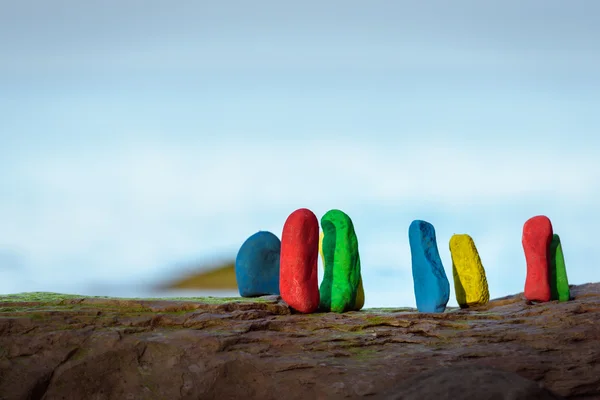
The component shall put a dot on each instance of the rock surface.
(432, 289)
(298, 273)
(470, 283)
(537, 236)
(257, 265)
(473, 382)
(68, 347)
(341, 263)
(559, 283)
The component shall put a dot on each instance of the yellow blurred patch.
(220, 277)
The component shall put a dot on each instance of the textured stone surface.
(341, 259)
(68, 347)
(257, 265)
(360, 295)
(432, 289)
(559, 283)
(298, 274)
(470, 383)
(537, 235)
(470, 283)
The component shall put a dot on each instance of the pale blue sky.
(139, 135)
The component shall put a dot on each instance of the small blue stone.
(257, 265)
(432, 289)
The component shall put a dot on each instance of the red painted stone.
(298, 279)
(537, 236)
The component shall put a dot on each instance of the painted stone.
(257, 265)
(559, 284)
(470, 283)
(537, 236)
(432, 289)
(360, 295)
(341, 264)
(298, 277)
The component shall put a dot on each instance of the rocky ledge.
(69, 347)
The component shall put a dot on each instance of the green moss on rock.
(50, 297)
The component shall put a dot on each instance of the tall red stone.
(537, 236)
(298, 278)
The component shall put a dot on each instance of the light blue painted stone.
(432, 289)
(257, 265)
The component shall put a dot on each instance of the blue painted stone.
(257, 265)
(432, 289)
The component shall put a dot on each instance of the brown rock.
(467, 383)
(93, 348)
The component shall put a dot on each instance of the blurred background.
(144, 141)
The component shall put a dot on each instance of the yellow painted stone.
(470, 283)
(360, 294)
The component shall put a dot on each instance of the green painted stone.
(341, 280)
(559, 284)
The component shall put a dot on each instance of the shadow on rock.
(470, 383)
